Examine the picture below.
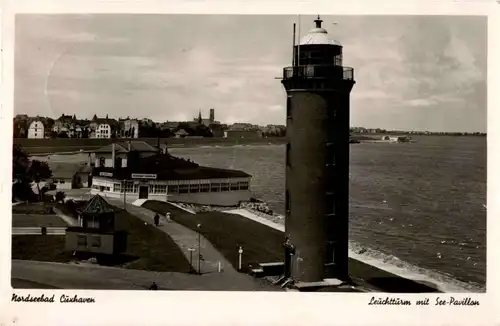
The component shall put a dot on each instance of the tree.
(20, 163)
(60, 196)
(63, 135)
(37, 172)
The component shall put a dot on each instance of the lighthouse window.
(289, 106)
(287, 201)
(288, 154)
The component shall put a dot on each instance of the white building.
(36, 130)
(103, 130)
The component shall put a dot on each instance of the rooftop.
(97, 205)
(318, 35)
(122, 147)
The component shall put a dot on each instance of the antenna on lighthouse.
(293, 51)
(298, 45)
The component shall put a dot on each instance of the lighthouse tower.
(318, 90)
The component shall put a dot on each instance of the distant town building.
(102, 127)
(129, 128)
(246, 134)
(204, 121)
(36, 129)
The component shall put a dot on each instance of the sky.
(411, 72)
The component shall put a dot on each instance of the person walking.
(157, 219)
(153, 286)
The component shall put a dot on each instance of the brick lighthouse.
(318, 90)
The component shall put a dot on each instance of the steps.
(139, 202)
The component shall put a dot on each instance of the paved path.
(184, 238)
(87, 276)
(38, 230)
(70, 220)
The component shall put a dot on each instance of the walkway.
(70, 220)
(185, 239)
(95, 277)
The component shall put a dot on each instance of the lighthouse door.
(143, 192)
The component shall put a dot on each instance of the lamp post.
(191, 259)
(199, 248)
(240, 252)
(125, 194)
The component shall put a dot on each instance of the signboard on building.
(143, 176)
(106, 174)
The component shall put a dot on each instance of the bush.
(60, 196)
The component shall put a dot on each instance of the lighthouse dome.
(318, 35)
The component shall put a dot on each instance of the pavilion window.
(129, 187)
(205, 187)
(244, 185)
(194, 188)
(225, 186)
(174, 189)
(117, 187)
(234, 186)
(183, 189)
(160, 189)
(215, 187)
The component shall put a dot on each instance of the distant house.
(181, 134)
(36, 129)
(103, 130)
(116, 155)
(98, 231)
(71, 176)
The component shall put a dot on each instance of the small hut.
(97, 231)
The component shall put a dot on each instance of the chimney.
(113, 155)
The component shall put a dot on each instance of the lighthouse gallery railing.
(319, 71)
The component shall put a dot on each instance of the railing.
(319, 71)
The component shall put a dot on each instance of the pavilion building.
(136, 170)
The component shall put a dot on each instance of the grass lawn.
(153, 248)
(32, 220)
(39, 247)
(17, 283)
(147, 247)
(226, 231)
(40, 208)
(263, 244)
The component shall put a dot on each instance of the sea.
(414, 207)
(419, 206)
